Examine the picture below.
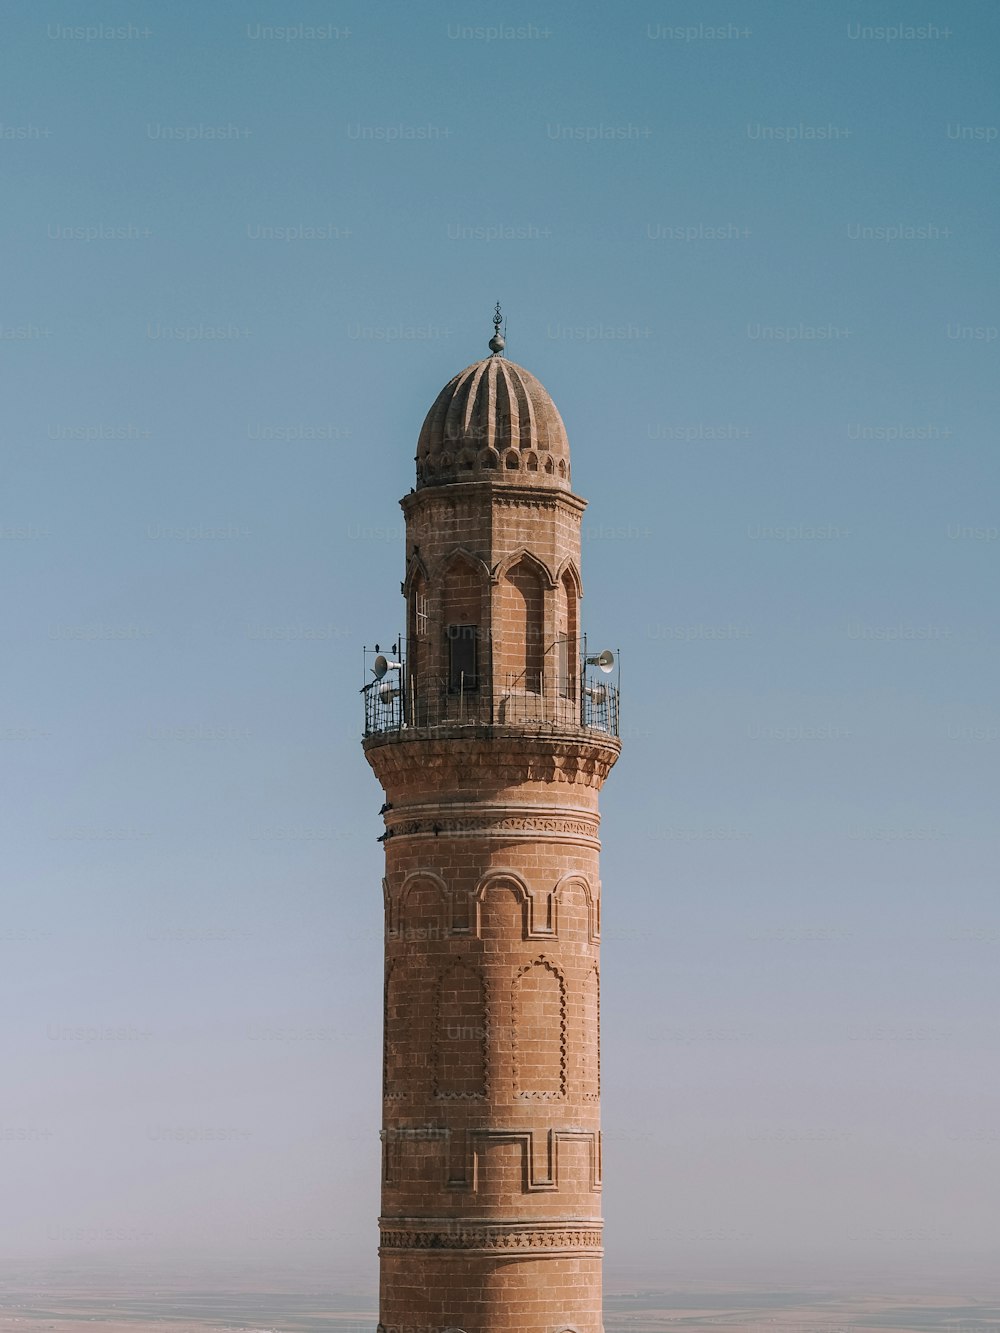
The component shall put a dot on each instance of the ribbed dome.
(493, 421)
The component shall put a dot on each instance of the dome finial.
(497, 341)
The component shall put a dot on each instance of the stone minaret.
(491, 735)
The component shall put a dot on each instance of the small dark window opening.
(463, 667)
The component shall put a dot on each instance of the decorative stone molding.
(495, 824)
(467, 498)
(538, 1178)
(508, 755)
(485, 1237)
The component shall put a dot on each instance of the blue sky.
(751, 252)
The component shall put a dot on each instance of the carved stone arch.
(414, 567)
(429, 875)
(538, 1033)
(521, 610)
(408, 919)
(416, 590)
(569, 570)
(462, 554)
(504, 879)
(509, 561)
(458, 644)
(574, 878)
(567, 630)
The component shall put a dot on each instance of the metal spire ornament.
(497, 342)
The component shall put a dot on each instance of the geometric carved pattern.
(460, 1033)
(537, 1176)
(480, 1237)
(592, 1047)
(561, 827)
(538, 1040)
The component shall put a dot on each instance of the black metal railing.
(399, 701)
(598, 703)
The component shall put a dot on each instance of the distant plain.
(266, 1303)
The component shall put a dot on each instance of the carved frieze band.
(544, 1238)
(436, 758)
(498, 823)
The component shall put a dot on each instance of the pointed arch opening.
(418, 630)
(462, 592)
(521, 621)
(568, 632)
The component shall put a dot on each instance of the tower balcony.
(399, 701)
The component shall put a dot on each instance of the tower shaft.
(491, 744)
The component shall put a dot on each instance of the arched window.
(462, 610)
(567, 631)
(521, 627)
(417, 621)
